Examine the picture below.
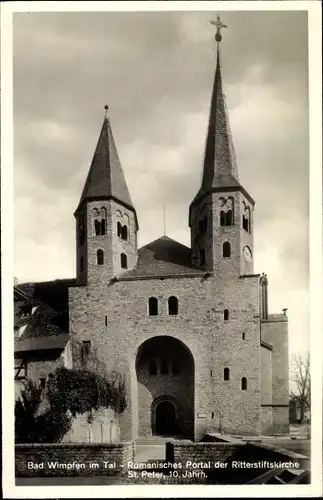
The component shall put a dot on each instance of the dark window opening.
(103, 227)
(100, 257)
(229, 221)
(119, 229)
(106, 321)
(202, 256)
(244, 384)
(97, 227)
(152, 367)
(212, 414)
(124, 263)
(245, 223)
(222, 218)
(176, 369)
(164, 367)
(85, 352)
(42, 382)
(81, 264)
(124, 233)
(226, 374)
(226, 249)
(226, 314)
(243, 336)
(173, 306)
(153, 306)
(211, 373)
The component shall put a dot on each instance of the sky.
(155, 71)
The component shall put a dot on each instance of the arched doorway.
(165, 377)
(165, 419)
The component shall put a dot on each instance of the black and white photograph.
(161, 247)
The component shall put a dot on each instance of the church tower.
(221, 214)
(106, 221)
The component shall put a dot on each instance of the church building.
(189, 328)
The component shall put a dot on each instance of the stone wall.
(103, 429)
(37, 460)
(213, 342)
(183, 452)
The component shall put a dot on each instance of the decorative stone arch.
(156, 404)
(175, 388)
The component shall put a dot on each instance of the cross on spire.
(219, 25)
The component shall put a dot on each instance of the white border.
(316, 298)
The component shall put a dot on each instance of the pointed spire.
(220, 167)
(105, 179)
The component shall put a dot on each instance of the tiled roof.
(105, 178)
(49, 319)
(41, 343)
(162, 257)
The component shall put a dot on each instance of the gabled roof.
(162, 257)
(105, 179)
(41, 343)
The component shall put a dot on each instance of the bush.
(68, 392)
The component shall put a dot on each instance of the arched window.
(81, 264)
(124, 233)
(97, 227)
(244, 384)
(226, 249)
(222, 218)
(119, 229)
(100, 257)
(164, 367)
(153, 306)
(103, 227)
(229, 218)
(245, 223)
(202, 257)
(226, 374)
(176, 369)
(124, 263)
(172, 305)
(152, 367)
(226, 314)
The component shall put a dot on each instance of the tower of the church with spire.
(189, 328)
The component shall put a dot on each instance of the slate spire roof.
(105, 179)
(220, 170)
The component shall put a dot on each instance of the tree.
(301, 376)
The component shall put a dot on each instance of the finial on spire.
(219, 25)
(106, 107)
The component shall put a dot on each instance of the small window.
(164, 367)
(243, 336)
(153, 306)
(100, 257)
(211, 373)
(176, 369)
(97, 227)
(124, 263)
(152, 367)
(85, 352)
(245, 223)
(226, 249)
(202, 256)
(226, 314)
(222, 218)
(119, 229)
(173, 306)
(106, 320)
(229, 218)
(226, 374)
(244, 384)
(103, 227)
(42, 382)
(124, 233)
(81, 264)
(212, 414)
